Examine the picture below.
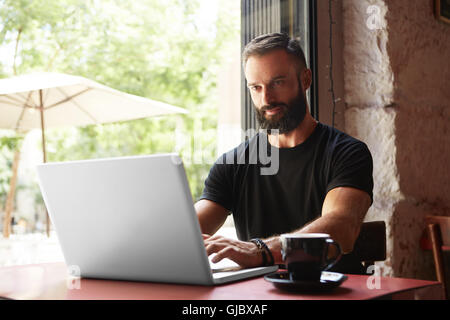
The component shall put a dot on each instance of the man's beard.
(292, 114)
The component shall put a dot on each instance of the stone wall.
(397, 100)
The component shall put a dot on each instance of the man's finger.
(216, 237)
(220, 243)
(215, 247)
(227, 252)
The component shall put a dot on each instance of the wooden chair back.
(370, 246)
(436, 237)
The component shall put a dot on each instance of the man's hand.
(245, 254)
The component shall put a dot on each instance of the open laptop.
(130, 218)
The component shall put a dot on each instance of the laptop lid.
(128, 218)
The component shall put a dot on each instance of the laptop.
(131, 218)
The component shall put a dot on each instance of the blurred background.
(183, 53)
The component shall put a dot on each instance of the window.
(294, 17)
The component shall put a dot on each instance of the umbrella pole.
(10, 198)
(41, 110)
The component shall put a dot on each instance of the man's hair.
(268, 42)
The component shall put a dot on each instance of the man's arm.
(211, 216)
(343, 212)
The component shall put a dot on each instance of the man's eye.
(255, 88)
(278, 82)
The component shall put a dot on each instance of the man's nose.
(267, 96)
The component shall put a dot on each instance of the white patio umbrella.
(44, 100)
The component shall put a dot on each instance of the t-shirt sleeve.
(352, 166)
(219, 185)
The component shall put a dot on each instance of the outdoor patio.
(34, 248)
(31, 248)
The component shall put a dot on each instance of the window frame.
(265, 16)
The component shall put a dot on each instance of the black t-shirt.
(264, 205)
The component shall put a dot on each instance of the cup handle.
(330, 262)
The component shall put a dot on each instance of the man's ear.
(306, 79)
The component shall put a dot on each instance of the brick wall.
(397, 100)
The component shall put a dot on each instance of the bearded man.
(324, 179)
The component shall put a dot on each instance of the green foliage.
(152, 48)
(8, 145)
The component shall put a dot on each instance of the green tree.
(8, 144)
(152, 48)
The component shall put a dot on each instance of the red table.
(50, 281)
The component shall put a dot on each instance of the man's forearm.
(340, 229)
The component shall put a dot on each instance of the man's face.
(276, 91)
